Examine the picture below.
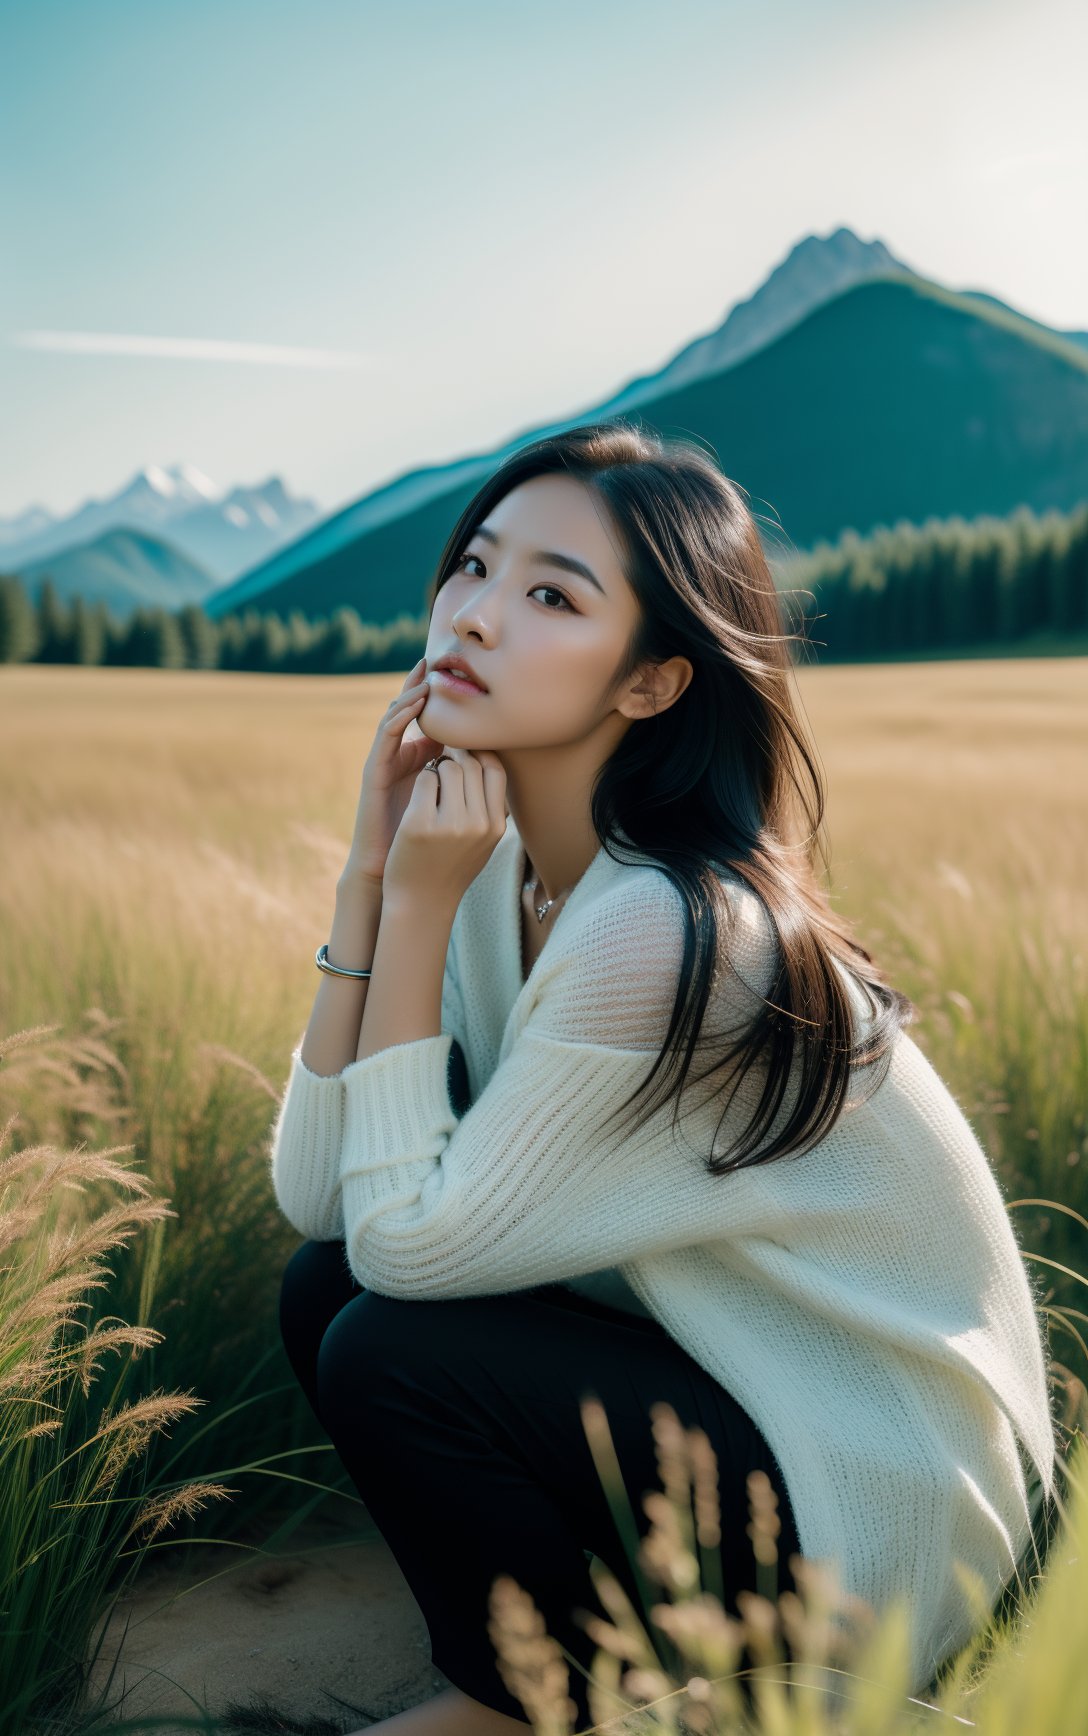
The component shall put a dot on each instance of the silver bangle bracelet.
(321, 959)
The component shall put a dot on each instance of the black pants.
(458, 1422)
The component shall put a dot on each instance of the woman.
(591, 869)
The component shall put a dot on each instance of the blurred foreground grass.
(171, 845)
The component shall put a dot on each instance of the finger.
(421, 749)
(475, 764)
(416, 682)
(450, 782)
(493, 774)
(472, 772)
(411, 696)
(414, 674)
(487, 780)
(402, 710)
(424, 795)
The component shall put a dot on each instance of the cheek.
(585, 658)
(567, 680)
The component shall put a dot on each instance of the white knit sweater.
(866, 1302)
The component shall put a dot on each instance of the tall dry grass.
(784, 1667)
(68, 1511)
(171, 844)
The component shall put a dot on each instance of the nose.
(477, 620)
(470, 621)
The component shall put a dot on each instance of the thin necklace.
(543, 909)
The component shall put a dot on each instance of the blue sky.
(435, 225)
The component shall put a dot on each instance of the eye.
(555, 593)
(554, 589)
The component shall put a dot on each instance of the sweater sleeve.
(521, 1190)
(308, 1133)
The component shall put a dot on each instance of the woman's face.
(545, 640)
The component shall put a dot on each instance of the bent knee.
(377, 1339)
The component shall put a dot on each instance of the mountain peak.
(194, 481)
(814, 270)
(183, 485)
(842, 253)
(153, 477)
(223, 533)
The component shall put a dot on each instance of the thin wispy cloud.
(191, 350)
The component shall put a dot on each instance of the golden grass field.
(171, 842)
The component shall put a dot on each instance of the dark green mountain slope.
(896, 400)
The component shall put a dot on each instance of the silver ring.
(433, 764)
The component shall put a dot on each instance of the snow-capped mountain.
(24, 525)
(225, 532)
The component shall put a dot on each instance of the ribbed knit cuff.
(306, 1140)
(314, 1104)
(397, 1117)
(397, 1104)
(318, 1079)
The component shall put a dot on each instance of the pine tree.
(54, 626)
(88, 631)
(18, 625)
(200, 636)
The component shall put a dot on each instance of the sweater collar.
(600, 870)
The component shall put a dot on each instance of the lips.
(463, 675)
(456, 680)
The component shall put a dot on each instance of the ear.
(656, 686)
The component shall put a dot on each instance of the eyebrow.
(548, 557)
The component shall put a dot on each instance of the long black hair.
(723, 778)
